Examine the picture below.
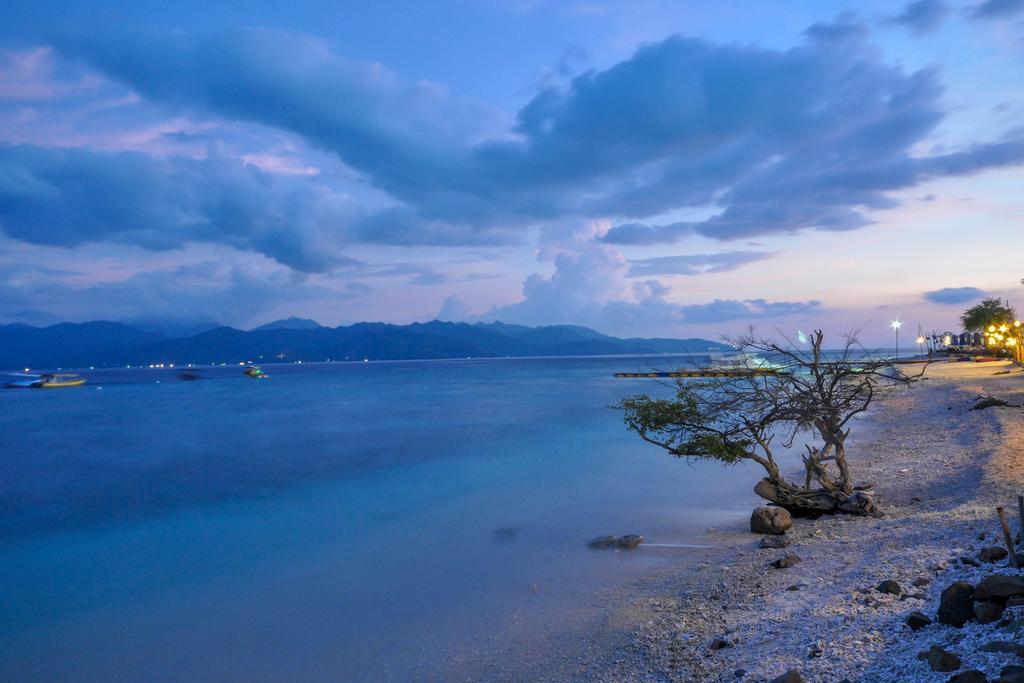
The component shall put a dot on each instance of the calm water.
(378, 521)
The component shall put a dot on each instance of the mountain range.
(106, 344)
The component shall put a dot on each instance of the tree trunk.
(816, 501)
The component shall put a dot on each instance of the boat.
(254, 372)
(44, 381)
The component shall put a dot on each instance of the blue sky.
(645, 168)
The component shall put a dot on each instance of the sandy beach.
(940, 470)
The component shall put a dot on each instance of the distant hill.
(292, 323)
(110, 344)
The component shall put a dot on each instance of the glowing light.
(991, 328)
(1003, 328)
(1016, 323)
(895, 324)
(26, 369)
(947, 340)
(920, 340)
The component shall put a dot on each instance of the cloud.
(997, 9)
(725, 310)
(69, 197)
(232, 294)
(954, 295)
(921, 17)
(765, 141)
(592, 285)
(695, 264)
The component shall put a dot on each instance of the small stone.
(987, 611)
(969, 676)
(817, 650)
(993, 554)
(770, 520)
(999, 586)
(942, 660)
(940, 566)
(1003, 646)
(789, 560)
(889, 586)
(739, 673)
(970, 561)
(956, 604)
(791, 676)
(720, 644)
(917, 620)
(794, 587)
(921, 581)
(629, 541)
(775, 542)
(602, 542)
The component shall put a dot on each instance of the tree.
(806, 393)
(996, 312)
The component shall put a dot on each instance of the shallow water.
(355, 521)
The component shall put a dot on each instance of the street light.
(895, 324)
(920, 344)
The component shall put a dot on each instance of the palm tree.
(988, 312)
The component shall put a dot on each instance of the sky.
(645, 168)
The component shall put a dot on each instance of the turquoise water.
(363, 521)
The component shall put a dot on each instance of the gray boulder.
(993, 554)
(917, 620)
(941, 660)
(988, 611)
(770, 520)
(956, 604)
(999, 587)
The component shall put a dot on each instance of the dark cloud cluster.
(921, 17)
(68, 197)
(997, 9)
(954, 295)
(771, 141)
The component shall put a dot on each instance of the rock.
(970, 561)
(794, 587)
(739, 673)
(921, 581)
(987, 611)
(602, 542)
(999, 587)
(917, 620)
(629, 541)
(969, 676)
(775, 542)
(720, 644)
(791, 676)
(1003, 646)
(1013, 673)
(789, 560)
(956, 604)
(889, 586)
(770, 520)
(817, 650)
(993, 554)
(912, 596)
(941, 660)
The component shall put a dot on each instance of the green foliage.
(682, 428)
(988, 312)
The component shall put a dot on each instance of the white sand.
(940, 470)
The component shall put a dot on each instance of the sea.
(372, 521)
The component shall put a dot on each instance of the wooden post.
(1006, 535)
(1020, 512)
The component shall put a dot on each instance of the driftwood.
(1006, 536)
(987, 401)
(818, 501)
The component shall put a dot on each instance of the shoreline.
(939, 470)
